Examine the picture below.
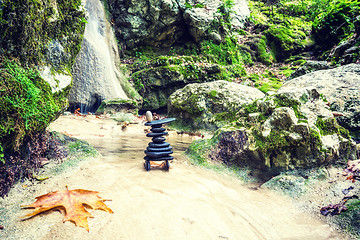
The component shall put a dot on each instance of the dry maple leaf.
(71, 203)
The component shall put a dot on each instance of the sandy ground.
(185, 203)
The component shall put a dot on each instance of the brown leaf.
(71, 203)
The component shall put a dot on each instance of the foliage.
(225, 53)
(330, 126)
(27, 104)
(71, 204)
(335, 23)
(293, 23)
(2, 154)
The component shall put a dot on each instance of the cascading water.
(95, 73)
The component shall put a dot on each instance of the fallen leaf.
(71, 203)
(40, 178)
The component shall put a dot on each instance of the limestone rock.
(156, 81)
(309, 66)
(340, 87)
(149, 116)
(295, 130)
(165, 22)
(35, 38)
(210, 105)
(95, 72)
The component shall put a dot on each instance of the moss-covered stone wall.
(28, 27)
(34, 34)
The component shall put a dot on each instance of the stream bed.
(187, 202)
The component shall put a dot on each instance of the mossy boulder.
(340, 87)
(284, 41)
(210, 105)
(158, 79)
(291, 130)
(27, 104)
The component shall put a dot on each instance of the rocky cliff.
(167, 22)
(96, 70)
(39, 41)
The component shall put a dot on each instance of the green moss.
(271, 84)
(277, 140)
(82, 147)
(250, 108)
(225, 53)
(28, 27)
(329, 126)
(27, 103)
(213, 93)
(315, 138)
(350, 219)
(264, 56)
(285, 41)
(286, 71)
(199, 149)
(226, 117)
(284, 101)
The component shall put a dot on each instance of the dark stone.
(159, 145)
(158, 134)
(156, 130)
(157, 154)
(158, 149)
(159, 158)
(159, 122)
(158, 139)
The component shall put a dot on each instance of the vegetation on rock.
(33, 34)
(27, 104)
(278, 133)
(28, 27)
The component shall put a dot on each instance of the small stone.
(149, 116)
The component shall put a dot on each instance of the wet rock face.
(165, 22)
(210, 105)
(340, 87)
(95, 73)
(288, 130)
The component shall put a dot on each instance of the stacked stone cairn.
(158, 149)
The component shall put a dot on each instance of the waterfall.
(95, 72)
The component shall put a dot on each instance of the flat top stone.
(162, 121)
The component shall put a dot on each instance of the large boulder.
(210, 105)
(284, 131)
(165, 22)
(340, 87)
(157, 80)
